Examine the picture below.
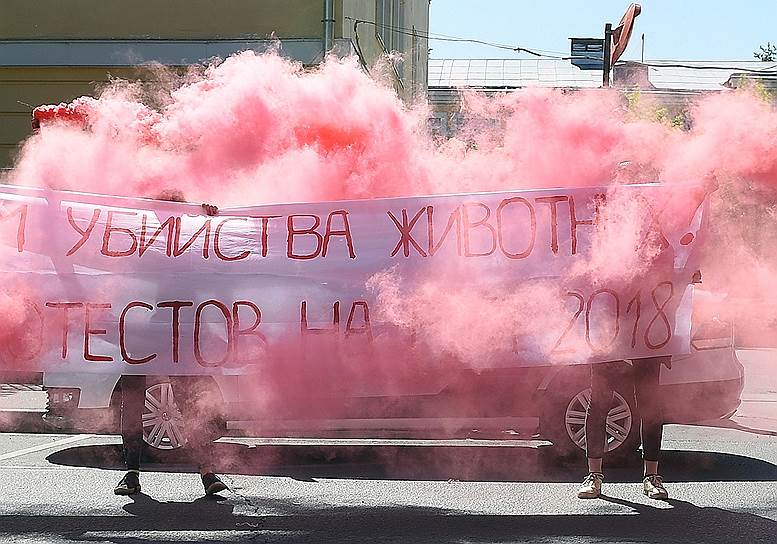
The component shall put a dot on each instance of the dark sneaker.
(129, 485)
(212, 484)
(591, 487)
(653, 487)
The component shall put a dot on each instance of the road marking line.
(40, 447)
(20, 387)
(52, 468)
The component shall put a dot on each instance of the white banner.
(133, 286)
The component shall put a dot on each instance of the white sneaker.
(653, 487)
(591, 487)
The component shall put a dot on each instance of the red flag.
(622, 32)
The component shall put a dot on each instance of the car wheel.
(163, 423)
(620, 420)
(563, 421)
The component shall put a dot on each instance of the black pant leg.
(649, 405)
(200, 413)
(133, 399)
(602, 392)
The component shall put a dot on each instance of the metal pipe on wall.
(329, 25)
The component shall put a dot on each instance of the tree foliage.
(766, 53)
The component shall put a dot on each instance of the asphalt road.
(722, 479)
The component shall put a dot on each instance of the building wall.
(189, 30)
(392, 26)
(447, 114)
(22, 88)
(170, 19)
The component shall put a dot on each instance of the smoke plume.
(255, 129)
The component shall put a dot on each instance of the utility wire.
(428, 36)
(362, 61)
(772, 70)
(382, 45)
(544, 53)
(540, 53)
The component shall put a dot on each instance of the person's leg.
(650, 408)
(595, 427)
(200, 410)
(596, 416)
(133, 399)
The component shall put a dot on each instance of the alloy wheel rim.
(619, 420)
(162, 421)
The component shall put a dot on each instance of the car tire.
(164, 426)
(562, 419)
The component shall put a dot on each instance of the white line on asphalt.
(53, 467)
(29, 435)
(40, 447)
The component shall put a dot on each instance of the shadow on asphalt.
(290, 522)
(471, 463)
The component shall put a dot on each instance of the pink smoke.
(21, 328)
(258, 129)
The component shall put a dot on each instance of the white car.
(541, 401)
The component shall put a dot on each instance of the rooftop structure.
(675, 82)
(558, 73)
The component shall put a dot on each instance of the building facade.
(672, 85)
(52, 51)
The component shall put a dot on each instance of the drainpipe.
(329, 25)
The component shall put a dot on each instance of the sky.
(679, 30)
